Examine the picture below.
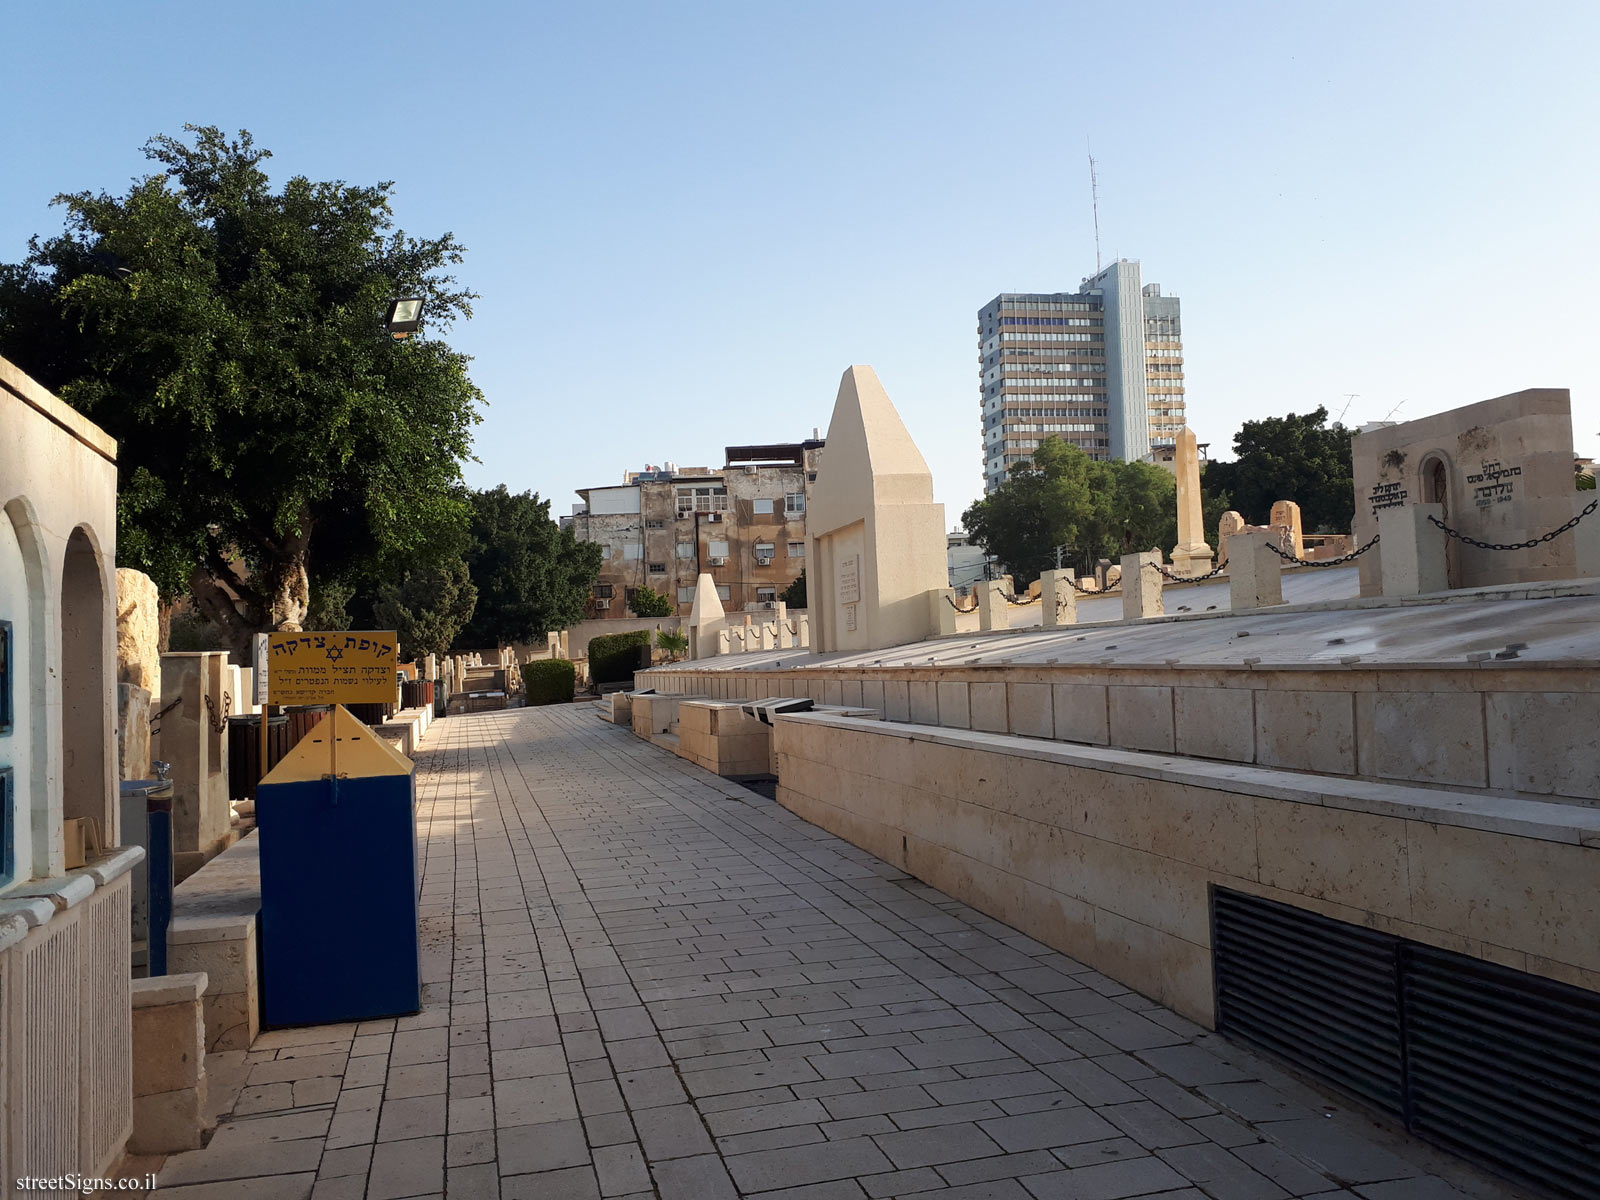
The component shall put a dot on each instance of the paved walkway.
(644, 980)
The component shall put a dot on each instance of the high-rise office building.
(1102, 368)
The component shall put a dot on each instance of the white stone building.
(65, 1042)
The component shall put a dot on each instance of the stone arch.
(85, 694)
(1433, 487)
(29, 753)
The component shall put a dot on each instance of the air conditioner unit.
(602, 605)
(763, 560)
(714, 516)
(718, 560)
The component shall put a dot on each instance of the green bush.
(549, 681)
(612, 655)
(647, 602)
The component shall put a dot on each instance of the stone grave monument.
(707, 621)
(875, 541)
(1191, 556)
(1501, 472)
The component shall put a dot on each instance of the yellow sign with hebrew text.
(331, 668)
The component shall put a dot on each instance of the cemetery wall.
(1502, 726)
(1108, 856)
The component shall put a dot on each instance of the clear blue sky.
(687, 219)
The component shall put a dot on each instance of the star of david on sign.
(334, 654)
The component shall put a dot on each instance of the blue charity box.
(340, 877)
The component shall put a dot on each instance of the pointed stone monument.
(875, 541)
(706, 619)
(1191, 556)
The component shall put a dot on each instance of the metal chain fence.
(1527, 545)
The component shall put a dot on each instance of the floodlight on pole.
(404, 317)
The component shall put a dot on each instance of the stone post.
(1058, 598)
(1413, 550)
(198, 754)
(769, 635)
(724, 642)
(1191, 556)
(133, 731)
(784, 640)
(992, 611)
(1586, 538)
(1230, 524)
(1255, 573)
(805, 631)
(169, 1054)
(1141, 586)
(1286, 518)
(431, 667)
(942, 601)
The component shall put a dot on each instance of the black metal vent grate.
(1497, 1064)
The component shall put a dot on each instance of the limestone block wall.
(723, 739)
(1502, 726)
(1109, 855)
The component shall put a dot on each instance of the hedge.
(549, 681)
(612, 656)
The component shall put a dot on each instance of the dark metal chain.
(218, 724)
(958, 607)
(1325, 562)
(1015, 603)
(1527, 545)
(1211, 574)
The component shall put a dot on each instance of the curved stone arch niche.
(25, 602)
(86, 777)
(1434, 472)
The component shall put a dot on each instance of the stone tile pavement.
(642, 980)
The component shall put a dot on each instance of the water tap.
(161, 769)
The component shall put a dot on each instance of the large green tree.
(1062, 497)
(1297, 457)
(229, 335)
(532, 575)
(427, 608)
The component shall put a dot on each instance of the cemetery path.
(642, 980)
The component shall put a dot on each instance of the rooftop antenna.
(1394, 410)
(1349, 399)
(1094, 200)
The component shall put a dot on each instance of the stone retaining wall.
(1109, 855)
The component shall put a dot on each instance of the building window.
(794, 503)
(766, 595)
(797, 549)
(766, 550)
(604, 591)
(686, 595)
(724, 592)
(6, 702)
(8, 854)
(764, 507)
(717, 549)
(685, 549)
(631, 552)
(655, 524)
(658, 568)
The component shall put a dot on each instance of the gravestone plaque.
(850, 580)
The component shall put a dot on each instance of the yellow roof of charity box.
(361, 752)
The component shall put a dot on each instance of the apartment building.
(1101, 368)
(743, 524)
